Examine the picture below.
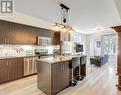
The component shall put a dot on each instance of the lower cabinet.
(52, 78)
(3, 71)
(15, 68)
(60, 76)
(11, 69)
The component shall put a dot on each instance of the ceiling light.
(64, 21)
(99, 29)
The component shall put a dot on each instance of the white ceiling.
(84, 16)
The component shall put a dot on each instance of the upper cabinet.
(23, 35)
(5, 31)
(14, 33)
(59, 37)
(56, 38)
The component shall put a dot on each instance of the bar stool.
(75, 62)
(83, 61)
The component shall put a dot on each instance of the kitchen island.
(53, 74)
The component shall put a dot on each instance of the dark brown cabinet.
(60, 76)
(11, 69)
(23, 35)
(3, 71)
(56, 38)
(15, 68)
(14, 33)
(52, 78)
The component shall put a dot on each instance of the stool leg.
(72, 82)
(72, 72)
(79, 71)
(81, 77)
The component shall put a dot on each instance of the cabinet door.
(2, 33)
(20, 71)
(6, 32)
(24, 35)
(60, 76)
(10, 34)
(56, 38)
(3, 71)
(56, 78)
(64, 74)
(15, 69)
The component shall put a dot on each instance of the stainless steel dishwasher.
(30, 66)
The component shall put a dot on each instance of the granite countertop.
(57, 59)
(10, 57)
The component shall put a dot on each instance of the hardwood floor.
(100, 81)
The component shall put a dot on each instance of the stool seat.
(75, 62)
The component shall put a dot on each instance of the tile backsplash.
(9, 50)
(22, 50)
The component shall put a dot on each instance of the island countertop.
(52, 60)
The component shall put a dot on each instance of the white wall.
(81, 38)
(91, 48)
(91, 45)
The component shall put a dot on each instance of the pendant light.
(63, 26)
